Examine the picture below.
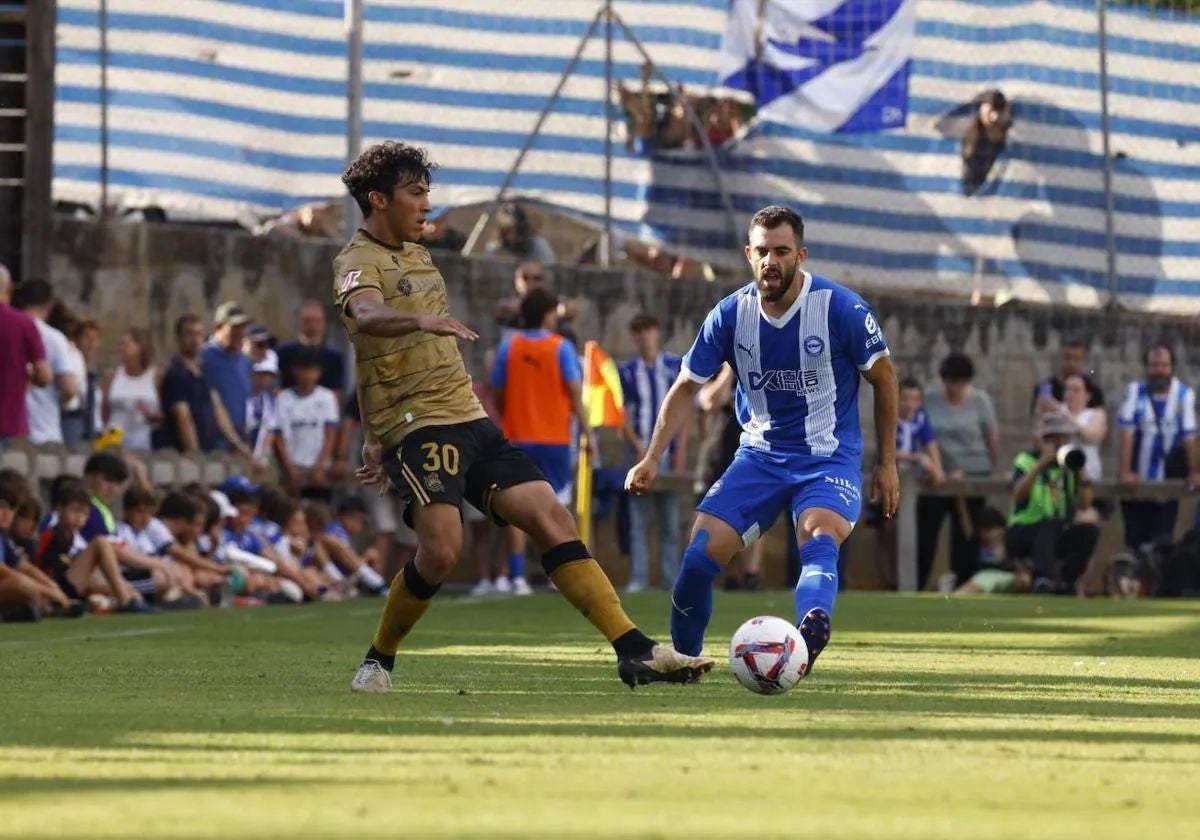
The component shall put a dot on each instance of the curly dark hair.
(773, 216)
(384, 165)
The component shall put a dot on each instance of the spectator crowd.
(1047, 541)
(294, 527)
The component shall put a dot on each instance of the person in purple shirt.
(22, 362)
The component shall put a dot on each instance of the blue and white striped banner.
(235, 107)
(828, 65)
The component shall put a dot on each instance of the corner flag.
(605, 406)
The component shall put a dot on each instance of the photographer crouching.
(1053, 523)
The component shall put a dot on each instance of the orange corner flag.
(602, 395)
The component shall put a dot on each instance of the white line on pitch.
(101, 636)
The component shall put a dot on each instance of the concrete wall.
(148, 275)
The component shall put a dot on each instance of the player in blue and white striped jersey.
(798, 345)
(1158, 440)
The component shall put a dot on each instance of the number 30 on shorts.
(439, 458)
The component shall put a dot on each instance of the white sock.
(291, 590)
(334, 572)
(370, 577)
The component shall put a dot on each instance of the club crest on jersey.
(405, 287)
(433, 483)
(814, 345)
(350, 281)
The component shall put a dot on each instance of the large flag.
(605, 406)
(826, 65)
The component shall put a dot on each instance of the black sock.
(633, 644)
(387, 661)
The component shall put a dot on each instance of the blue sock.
(692, 597)
(516, 566)
(818, 583)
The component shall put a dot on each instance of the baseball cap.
(238, 482)
(257, 333)
(1055, 423)
(231, 313)
(269, 364)
(223, 504)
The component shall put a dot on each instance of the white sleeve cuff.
(870, 363)
(695, 377)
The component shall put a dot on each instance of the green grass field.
(927, 717)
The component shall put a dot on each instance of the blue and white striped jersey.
(797, 375)
(1159, 422)
(645, 387)
(915, 433)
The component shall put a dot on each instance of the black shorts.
(450, 464)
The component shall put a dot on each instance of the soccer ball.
(768, 655)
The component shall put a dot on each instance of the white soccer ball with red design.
(768, 655)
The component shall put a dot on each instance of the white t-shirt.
(124, 394)
(1091, 451)
(79, 368)
(303, 420)
(262, 419)
(153, 541)
(45, 418)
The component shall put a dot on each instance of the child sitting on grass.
(183, 518)
(237, 532)
(300, 548)
(82, 569)
(105, 475)
(997, 574)
(244, 587)
(26, 593)
(335, 538)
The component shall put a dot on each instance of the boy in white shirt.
(308, 417)
(262, 414)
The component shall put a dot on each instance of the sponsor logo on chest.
(798, 382)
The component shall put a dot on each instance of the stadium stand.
(469, 81)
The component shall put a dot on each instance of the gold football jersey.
(413, 380)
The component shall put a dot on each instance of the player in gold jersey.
(427, 433)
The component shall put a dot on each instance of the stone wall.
(148, 275)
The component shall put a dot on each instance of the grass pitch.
(926, 718)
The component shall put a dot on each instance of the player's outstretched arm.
(675, 411)
(374, 317)
(885, 484)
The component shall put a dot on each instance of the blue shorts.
(553, 461)
(758, 486)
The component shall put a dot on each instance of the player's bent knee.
(437, 560)
(818, 522)
(716, 539)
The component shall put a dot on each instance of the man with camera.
(1053, 523)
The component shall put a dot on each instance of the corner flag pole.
(583, 471)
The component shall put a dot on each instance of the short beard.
(784, 286)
